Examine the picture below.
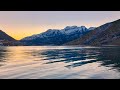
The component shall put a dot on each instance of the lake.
(59, 62)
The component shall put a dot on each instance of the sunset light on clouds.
(20, 24)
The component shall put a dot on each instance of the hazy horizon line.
(58, 29)
(22, 24)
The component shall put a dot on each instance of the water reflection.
(72, 57)
(3, 51)
(108, 57)
(78, 57)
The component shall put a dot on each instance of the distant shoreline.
(68, 45)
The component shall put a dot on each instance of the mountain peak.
(56, 36)
(51, 30)
(6, 40)
(2, 31)
(91, 28)
(106, 34)
(83, 27)
(70, 27)
(4, 36)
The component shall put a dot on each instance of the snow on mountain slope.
(64, 35)
(91, 28)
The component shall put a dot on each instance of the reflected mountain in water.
(109, 57)
(61, 61)
(3, 51)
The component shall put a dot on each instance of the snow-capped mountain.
(56, 36)
(92, 28)
(106, 34)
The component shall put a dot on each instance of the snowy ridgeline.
(69, 30)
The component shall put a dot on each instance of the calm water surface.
(60, 62)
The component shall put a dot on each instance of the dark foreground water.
(59, 62)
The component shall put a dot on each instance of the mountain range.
(106, 34)
(56, 36)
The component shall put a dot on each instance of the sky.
(20, 24)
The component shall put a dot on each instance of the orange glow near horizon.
(20, 24)
(21, 32)
(19, 35)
